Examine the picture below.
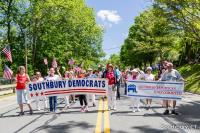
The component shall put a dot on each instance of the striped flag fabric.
(7, 73)
(7, 53)
(54, 63)
(45, 61)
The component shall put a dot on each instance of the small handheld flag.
(7, 72)
(7, 53)
(45, 61)
(54, 63)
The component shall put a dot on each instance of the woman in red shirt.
(110, 74)
(22, 78)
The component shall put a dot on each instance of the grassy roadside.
(191, 73)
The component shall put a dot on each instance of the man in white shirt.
(171, 75)
(53, 99)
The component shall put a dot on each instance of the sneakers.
(133, 110)
(174, 112)
(31, 112)
(21, 113)
(138, 110)
(82, 109)
(85, 109)
(148, 107)
(166, 112)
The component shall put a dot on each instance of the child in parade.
(83, 98)
(21, 79)
(67, 105)
(149, 77)
(91, 75)
(39, 78)
(136, 101)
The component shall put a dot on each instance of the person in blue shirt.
(118, 74)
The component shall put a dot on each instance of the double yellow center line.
(103, 111)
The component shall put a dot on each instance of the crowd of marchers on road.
(114, 76)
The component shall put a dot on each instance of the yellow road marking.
(99, 117)
(106, 118)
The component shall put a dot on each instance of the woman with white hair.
(149, 77)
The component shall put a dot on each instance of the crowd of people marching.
(115, 79)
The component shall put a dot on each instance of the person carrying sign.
(53, 99)
(91, 75)
(149, 77)
(39, 78)
(171, 75)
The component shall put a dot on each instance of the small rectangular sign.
(155, 89)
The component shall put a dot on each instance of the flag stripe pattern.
(54, 63)
(7, 72)
(7, 53)
(45, 61)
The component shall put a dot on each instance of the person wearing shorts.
(22, 97)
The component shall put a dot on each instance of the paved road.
(100, 120)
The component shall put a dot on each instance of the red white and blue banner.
(67, 87)
(155, 89)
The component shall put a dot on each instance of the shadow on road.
(148, 129)
(62, 127)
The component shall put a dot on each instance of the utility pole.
(26, 53)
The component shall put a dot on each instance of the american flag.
(7, 53)
(54, 63)
(45, 61)
(7, 73)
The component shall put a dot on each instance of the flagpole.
(26, 59)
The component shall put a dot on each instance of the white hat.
(149, 68)
(135, 70)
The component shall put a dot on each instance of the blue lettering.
(70, 83)
(56, 84)
(60, 84)
(35, 87)
(51, 85)
(30, 87)
(74, 83)
(64, 84)
(39, 86)
(87, 83)
(43, 85)
(47, 85)
(83, 83)
(91, 83)
(99, 83)
(95, 83)
(78, 83)
(103, 84)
